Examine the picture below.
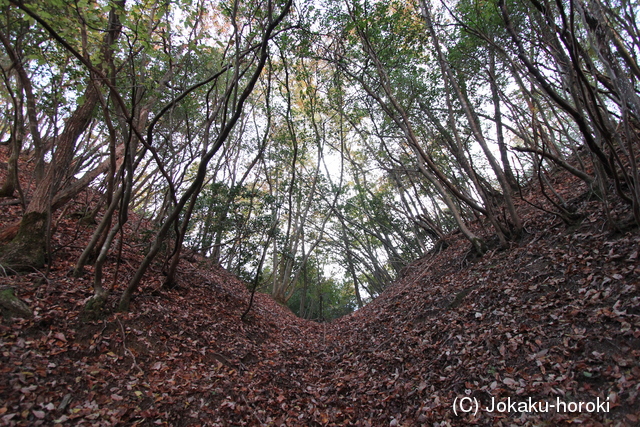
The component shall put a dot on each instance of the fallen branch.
(124, 345)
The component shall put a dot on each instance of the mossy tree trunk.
(27, 250)
(11, 306)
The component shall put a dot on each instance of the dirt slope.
(554, 319)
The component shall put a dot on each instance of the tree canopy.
(314, 150)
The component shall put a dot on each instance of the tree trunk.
(350, 264)
(170, 281)
(508, 172)
(28, 249)
(25, 85)
(11, 183)
(196, 186)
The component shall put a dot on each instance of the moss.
(94, 308)
(27, 249)
(11, 306)
(479, 245)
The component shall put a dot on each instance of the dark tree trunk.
(11, 183)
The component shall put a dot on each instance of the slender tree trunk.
(502, 147)
(175, 259)
(350, 265)
(11, 183)
(100, 231)
(195, 187)
(474, 123)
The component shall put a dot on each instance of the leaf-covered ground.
(554, 318)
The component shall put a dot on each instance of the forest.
(317, 151)
(312, 150)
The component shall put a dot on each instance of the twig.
(104, 326)
(324, 334)
(255, 413)
(41, 273)
(124, 345)
(225, 360)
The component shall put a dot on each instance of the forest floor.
(546, 332)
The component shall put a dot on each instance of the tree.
(235, 97)
(579, 87)
(27, 249)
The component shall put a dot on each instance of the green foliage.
(317, 167)
(321, 298)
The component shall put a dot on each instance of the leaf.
(510, 381)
